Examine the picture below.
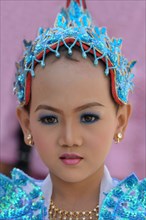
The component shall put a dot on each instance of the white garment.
(107, 184)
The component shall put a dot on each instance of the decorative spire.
(80, 2)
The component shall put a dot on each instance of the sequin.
(127, 201)
(20, 198)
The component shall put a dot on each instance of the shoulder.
(21, 197)
(126, 200)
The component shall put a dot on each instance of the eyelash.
(44, 119)
(91, 117)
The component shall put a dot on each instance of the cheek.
(101, 139)
(106, 136)
(45, 145)
(44, 140)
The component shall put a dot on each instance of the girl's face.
(72, 112)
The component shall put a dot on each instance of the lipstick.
(70, 159)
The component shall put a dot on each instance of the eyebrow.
(47, 107)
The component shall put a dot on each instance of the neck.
(77, 196)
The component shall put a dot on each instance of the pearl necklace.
(59, 214)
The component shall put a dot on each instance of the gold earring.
(29, 139)
(119, 137)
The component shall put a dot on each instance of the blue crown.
(74, 26)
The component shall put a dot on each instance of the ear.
(23, 118)
(123, 115)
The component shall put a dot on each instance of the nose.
(70, 136)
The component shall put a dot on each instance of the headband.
(74, 26)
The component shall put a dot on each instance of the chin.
(74, 178)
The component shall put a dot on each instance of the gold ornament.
(118, 138)
(56, 214)
(29, 139)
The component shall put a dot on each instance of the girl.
(72, 110)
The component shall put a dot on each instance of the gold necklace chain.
(59, 214)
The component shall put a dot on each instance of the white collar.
(107, 184)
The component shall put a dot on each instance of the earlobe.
(23, 118)
(123, 116)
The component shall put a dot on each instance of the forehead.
(74, 63)
(74, 78)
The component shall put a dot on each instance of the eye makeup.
(89, 118)
(85, 118)
(48, 119)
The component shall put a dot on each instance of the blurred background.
(21, 20)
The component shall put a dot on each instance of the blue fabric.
(22, 199)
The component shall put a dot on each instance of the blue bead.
(57, 54)
(106, 71)
(70, 51)
(43, 64)
(84, 55)
(96, 62)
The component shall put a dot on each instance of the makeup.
(71, 159)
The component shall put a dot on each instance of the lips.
(70, 156)
(71, 159)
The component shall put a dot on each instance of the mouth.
(71, 159)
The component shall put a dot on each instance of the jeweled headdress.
(73, 26)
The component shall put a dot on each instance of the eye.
(89, 118)
(49, 120)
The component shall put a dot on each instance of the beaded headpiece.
(73, 26)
